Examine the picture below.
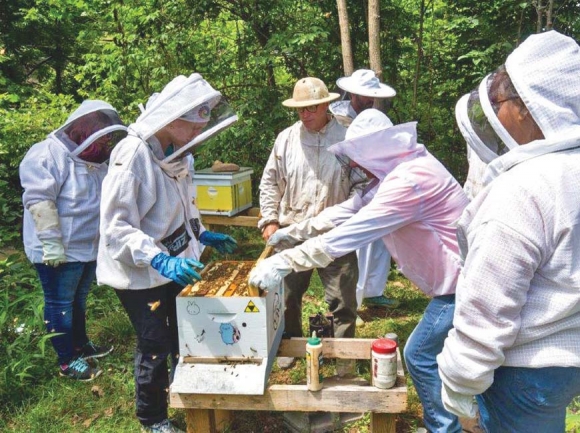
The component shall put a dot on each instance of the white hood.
(545, 71)
(376, 145)
(178, 98)
(111, 126)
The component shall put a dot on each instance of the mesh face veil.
(96, 134)
(216, 115)
(354, 173)
(476, 115)
(191, 99)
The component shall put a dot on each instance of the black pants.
(157, 338)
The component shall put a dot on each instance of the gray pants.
(339, 280)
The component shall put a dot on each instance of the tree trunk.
(419, 54)
(549, 9)
(375, 45)
(347, 60)
(539, 11)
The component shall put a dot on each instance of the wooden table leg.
(207, 420)
(383, 422)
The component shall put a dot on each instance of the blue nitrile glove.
(177, 269)
(225, 244)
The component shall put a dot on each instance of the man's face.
(360, 103)
(314, 117)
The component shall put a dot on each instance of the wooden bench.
(210, 413)
(246, 218)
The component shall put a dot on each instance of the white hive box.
(223, 193)
(227, 343)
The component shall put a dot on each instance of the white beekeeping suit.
(62, 178)
(147, 200)
(474, 182)
(518, 303)
(301, 178)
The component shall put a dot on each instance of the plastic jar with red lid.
(384, 363)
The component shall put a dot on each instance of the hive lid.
(208, 171)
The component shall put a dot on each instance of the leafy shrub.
(22, 352)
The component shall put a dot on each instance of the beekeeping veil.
(94, 122)
(191, 99)
(545, 73)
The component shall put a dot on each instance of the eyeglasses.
(310, 109)
(497, 104)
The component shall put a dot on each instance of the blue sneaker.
(381, 301)
(79, 369)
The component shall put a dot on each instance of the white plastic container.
(314, 363)
(384, 363)
(392, 336)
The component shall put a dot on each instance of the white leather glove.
(307, 256)
(269, 273)
(281, 240)
(458, 404)
(300, 232)
(53, 252)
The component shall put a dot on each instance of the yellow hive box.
(223, 193)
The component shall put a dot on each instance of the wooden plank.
(222, 220)
(207, 421)
(198, 421)
(336, 396)
(348, 348)
(383, 423)
(222, 420)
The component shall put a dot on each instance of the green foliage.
(573, 416)
(23, 350)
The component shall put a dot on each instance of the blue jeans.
(528, 399)
(421, 350)
(157, 338)
(66, 288)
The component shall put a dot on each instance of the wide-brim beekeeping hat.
(364, 82)
(309, 91)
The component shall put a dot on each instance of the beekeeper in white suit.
(151, 231)
(413, 208)
(300, 179)
(516, 342)
(62, 178)
(374, 261)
